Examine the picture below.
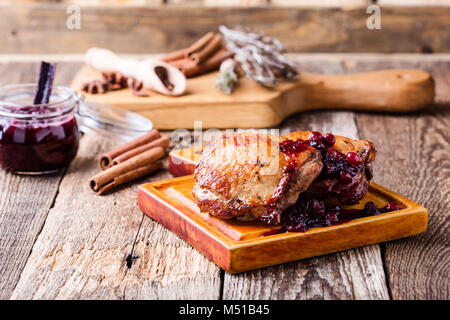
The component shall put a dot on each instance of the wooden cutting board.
(254, 106)
(241, 246)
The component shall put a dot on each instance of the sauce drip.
(312, 213)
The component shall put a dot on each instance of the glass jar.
(37, 139)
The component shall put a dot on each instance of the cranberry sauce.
(343, 174)
(309, 213)
(370, 209)
(335, 163)
(37, 145)
(292, 148)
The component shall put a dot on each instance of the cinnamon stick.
(135, 167)
(182, 63)
(176, 55)
(212, 63)
(208, 50)
(129, 176)
(186, 52)
(204, 55)
(106, 159)
(160, 142)
(199, 44)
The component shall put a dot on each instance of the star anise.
(95, 86)
(137, 87)
(115, 80)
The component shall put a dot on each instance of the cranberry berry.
(371, 209)
(309, 212)
(329, 140)
(353, 158)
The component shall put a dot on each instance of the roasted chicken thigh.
(250, 176)
(258, 176)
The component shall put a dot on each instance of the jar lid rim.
(5, 112)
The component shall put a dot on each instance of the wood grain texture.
(419, 3)
(24, 205)
(353, 274)
(82, 250)
(322, 3)
(243, 3)
(293, 3)
(157, 29)
(24, 201)
(417, 148)
(416, 268)
(168, 267)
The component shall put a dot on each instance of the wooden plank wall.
(243, 3)
(154, 26)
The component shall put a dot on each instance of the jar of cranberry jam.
(37, 138)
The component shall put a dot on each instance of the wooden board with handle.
(241, 246)
(254, 106)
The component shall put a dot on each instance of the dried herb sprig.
(227, 78)
(260, 56)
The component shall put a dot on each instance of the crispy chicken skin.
(246, 175)
(348, 192)
(365, 149)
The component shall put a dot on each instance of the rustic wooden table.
(59, 240)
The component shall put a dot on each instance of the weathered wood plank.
(24, 204)
(34, 28)
(323, 277)
(413, 159)
(168, 267)
(24, 201)
(82, 250)
(419, 3)
(352, 274)
(322, 3)
(242, 3)
(294, 3)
